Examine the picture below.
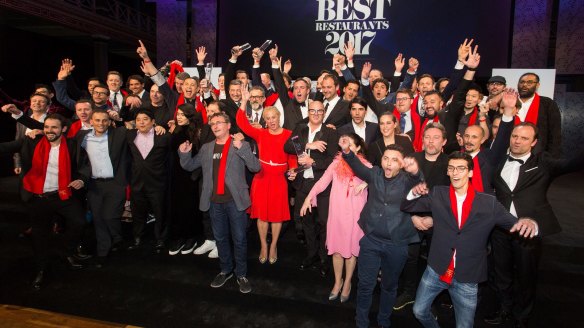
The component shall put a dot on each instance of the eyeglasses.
(458, 169)
(256, 97)
(497, 83)
(100, 93)
(212, 124)
(402, 99)
(316, 111)
(530, 82)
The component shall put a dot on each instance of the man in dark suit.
(320, 145)
(49, 173)
(225, 195)
(521, 184)
(366, 130)
(336, 109)
(149, 181)
(296, 109)
(104, 157)
(462, 220)
(541, 111)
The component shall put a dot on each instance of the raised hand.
(236, 52)
(201, 55)
(185, 147)
(245, 95)
(366, 70)
(287, 66)
(142, 52)
(349, 50)
(464, 49)
(237, 140)
(399, 62)
(12, 109)
(413, 65)
(274, 53)
(257, 55)
(411, 165)
(473, 58)
(509, 99)
(420, 189)
(66, 69)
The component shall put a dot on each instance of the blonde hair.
(270, 109)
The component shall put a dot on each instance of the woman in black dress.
(390, 135)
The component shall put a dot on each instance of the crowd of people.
(364, 167)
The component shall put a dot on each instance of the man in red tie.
(462, 219)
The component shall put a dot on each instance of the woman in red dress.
(269, 188)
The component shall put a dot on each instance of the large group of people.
(364, 169)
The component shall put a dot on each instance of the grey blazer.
(237, 160)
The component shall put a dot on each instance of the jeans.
(463, 294)
(375, 255)
(227, 221)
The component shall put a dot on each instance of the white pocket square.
(531, 169)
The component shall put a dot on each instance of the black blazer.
(376, 149)
(371, 131)
(549, 123)
(340, 114)
(470, 242)
(152, 172)
(322, 159)
(292, 111)
(117, 150)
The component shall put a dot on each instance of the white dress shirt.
(309, 174)
(510, 174)
(331, 104)
(52, 176)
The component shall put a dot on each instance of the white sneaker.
(207, 246)
(214, 253)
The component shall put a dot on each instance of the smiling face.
(256, 99)
(315, 112)
(387, 125)
(350, 91)
(181, 119)
(38, 104)
(83, 111)
(135, 86)
(100, 122)
(235, 92)
(114, 82)
(432, 104)
(328, 88)
(144, 123)
(53, 130)
(391, 163)
(425, 84)
(272, 118)
(403, 102)
(459, 173)
(190, 88)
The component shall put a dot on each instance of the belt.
(102, 179)
(49, 194)
(273, 164)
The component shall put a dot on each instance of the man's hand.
(274, 53)
(237, 140)
(133, 101)
(201, 55)
(459, 139)
(473, 58)
(257, 55)
(66, 69)
(366, 70)
(76, 184)
(305, 160)
(508, 102)
(349, 49)
(236, 52)
(526, 227)
(12, 109)
(306, 207)
(185, 147)
(464, 50)
(292, 174)
(420, 189)
(413, 65)
(141, 51)
(399, 62)
(422, 223)
(33, 133)
(115, 116)
(287, 66)
(159, 130)
(317, 145)
(411, 165)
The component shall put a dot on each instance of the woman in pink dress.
(269, 188)
(347, 198)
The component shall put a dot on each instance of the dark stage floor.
(141, 288)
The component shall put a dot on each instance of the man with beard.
(336, 109)
(541, 111)
(49, 173)
(495, 86)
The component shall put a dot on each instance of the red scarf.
(75, 127)
(532, 112)
(174, 68)
(420, 141)
(477, 177)
(222, 167)
(34, 180)
(415, 125)
(466, 207)
(473, 117)
(198, 106)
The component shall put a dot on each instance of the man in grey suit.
(225, 194)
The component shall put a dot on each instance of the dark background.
(429, 30)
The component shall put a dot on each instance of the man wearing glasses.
(319, 143)
(225, 195)
(462, 219)
(541, 111)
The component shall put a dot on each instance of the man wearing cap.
(495, 86)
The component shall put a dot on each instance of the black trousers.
(410, 277)
(42, 211)
(314, 224)
(106, 201)
(515, 264)
(146, 201)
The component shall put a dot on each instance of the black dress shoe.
(307, 263)
(81, 254)
(498, 317)
(137, 244)
(73, 264)
(324, 268)
(39, 280)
